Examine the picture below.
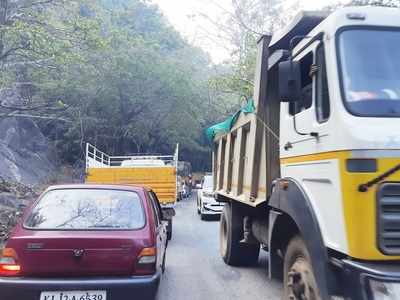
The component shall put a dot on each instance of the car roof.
(130, 187)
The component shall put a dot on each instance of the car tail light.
(9, 263)
(146, 262)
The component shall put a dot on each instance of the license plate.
(74, 295)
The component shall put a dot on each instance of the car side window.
(306, 99)
(154, 207)
(322, 92)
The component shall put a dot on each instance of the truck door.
(312, 160)
(311, 113)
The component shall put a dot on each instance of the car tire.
(299, 279)
(232, 251)
(203, 217)
(163, 263)
(199, 207)
(169, 230)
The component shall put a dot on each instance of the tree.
(241, 28)
(142, 91)
(386, 3)
(36, 38)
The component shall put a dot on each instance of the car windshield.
(208, 183)
(87, 209)
(370, 64)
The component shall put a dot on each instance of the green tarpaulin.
(225, 126)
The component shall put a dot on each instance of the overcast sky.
(182, 15)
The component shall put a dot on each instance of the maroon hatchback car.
(87, 242)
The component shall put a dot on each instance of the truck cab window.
(322, 92)
(305, 100)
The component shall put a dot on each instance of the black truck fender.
(291, 213)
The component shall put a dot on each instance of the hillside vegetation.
(112, 73)
(116, 74)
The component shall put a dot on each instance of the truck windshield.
(370, 68)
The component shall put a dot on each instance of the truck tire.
(299, 279)
(232, 251)
(169, 230)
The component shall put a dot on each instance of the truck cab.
(314, 171)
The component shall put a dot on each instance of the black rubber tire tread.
(198, 207)
(295, 249)
(236, 253)
(164, 259)
(169, 230)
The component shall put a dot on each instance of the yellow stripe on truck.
(360, 212)
(162, 180)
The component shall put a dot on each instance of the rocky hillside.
(25, 154)
(13, 195)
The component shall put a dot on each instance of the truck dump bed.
(155, 172)
(246, 158)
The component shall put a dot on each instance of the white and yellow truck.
(157, 172)
(313, 175)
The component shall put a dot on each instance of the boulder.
(25, 154)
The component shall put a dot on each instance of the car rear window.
(87, 209)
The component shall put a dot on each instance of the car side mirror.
(167, 213)
(289, 81)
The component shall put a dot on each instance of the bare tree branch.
(34, 117)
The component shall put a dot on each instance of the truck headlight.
(385, 290)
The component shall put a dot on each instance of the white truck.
(312, 175)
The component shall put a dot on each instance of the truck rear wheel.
(233, 252)
(169, 230)
(299, 279)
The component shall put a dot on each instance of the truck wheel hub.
(300, 281)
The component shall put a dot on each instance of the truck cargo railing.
(98, 159)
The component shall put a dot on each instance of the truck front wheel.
(299, 279)
(233, 252)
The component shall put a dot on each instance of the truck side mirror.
(289, 81)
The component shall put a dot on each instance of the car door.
(161, 228)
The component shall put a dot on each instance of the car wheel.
(163, 263)
(232, 251)
(199, 207)
(203, 216)
(299, 279)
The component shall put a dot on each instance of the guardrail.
(99, 159)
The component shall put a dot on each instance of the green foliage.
(122, 77)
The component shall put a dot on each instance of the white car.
(206, 203)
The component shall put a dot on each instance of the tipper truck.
(158, 172)
(312, 175)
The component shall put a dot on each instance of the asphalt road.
(195, 270)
